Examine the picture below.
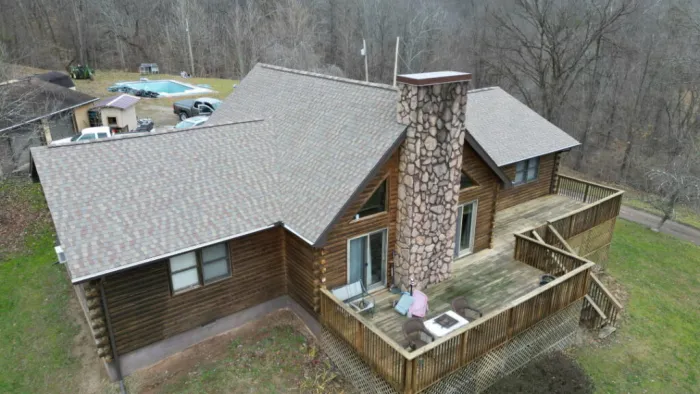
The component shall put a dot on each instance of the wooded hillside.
(619, 75)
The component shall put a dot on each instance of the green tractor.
(81, 72)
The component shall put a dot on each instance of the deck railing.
(603, 204)
(412, 372)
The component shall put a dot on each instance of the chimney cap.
(433, 78)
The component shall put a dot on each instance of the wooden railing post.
(359, 337)
(409, 381)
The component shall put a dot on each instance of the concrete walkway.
(676, 229)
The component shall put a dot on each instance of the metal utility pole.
(396, 60)
(189, 44)
(364, 53)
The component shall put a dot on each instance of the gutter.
(112, 342)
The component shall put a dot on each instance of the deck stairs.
(600, 307)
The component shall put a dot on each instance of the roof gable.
(508, 130)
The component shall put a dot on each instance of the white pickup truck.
(88, 134)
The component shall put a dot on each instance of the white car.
(88, 134)
(192, 122)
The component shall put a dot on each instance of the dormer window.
(375, 204)
(465, 181)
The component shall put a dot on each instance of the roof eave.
(507, 183)
(542, 154)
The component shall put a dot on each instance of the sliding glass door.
(466, 227)
(367, 259)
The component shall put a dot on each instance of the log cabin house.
(301, 183)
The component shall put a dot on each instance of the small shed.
(149, 68)
(117, 112)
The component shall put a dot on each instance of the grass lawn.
(269, 356)
(656, 348)
(36, 335)
(160, 110)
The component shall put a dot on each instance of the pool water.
(159, 86)
(166, 88)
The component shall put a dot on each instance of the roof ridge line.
(153, 134)
(329, 77)
(483, 89)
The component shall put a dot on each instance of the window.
(204, 266)
(375, 204)
(367, 259)
(526, 170)
(111, 120)
(465, 181)
(183, 271)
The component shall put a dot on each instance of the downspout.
(108, 322)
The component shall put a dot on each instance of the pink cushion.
(420, 304)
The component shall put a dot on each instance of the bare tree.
(547, 44)
(674, 186)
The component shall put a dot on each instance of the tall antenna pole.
(189, 43)
(396, 60)
(364, 53)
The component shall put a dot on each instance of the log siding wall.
(302, 283)
(529, 191)
(486, 193)
(347, 228)
(143, 310)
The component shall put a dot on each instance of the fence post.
(585, 193)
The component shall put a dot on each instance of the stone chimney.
(433, 107)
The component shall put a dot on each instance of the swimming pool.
(166, 88)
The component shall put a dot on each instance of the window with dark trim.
(465, 181)
(200, 267)
(526, 170)
(375, 204)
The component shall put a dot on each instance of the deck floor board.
(488, 279)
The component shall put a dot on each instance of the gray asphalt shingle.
(286, 146)
(508, 130)
(121, 202)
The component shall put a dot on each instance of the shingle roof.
(36, 99)
(332, 133)
(508, 130)
(315, 142)
(122, 101)
(169, 191)
(319, 142)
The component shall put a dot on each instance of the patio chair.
(356, 296)
(419, 308)
(462, 308)
(416, 333)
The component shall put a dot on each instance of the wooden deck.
(489, 279)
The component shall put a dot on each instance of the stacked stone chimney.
(433, 107)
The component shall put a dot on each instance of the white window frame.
(199, 266)
(524, 167)
(385, 255)
(458, 252)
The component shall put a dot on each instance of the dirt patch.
(92, 376)
(22, 213)
(556, 373)
(274, 352)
